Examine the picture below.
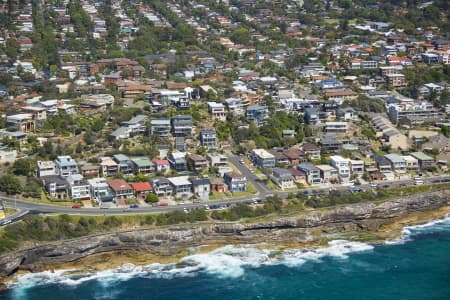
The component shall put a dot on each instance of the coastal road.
(36, 208)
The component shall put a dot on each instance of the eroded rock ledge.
(304, 228)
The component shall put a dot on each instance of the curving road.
(26, 207)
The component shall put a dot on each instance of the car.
(373, 184)
(76, 206)
(134, 206)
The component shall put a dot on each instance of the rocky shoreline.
(168, 244)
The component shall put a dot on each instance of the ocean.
(417, 266)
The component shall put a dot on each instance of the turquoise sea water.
(417, 267)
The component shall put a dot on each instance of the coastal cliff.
(305, 228)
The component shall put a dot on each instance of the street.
(26, 207)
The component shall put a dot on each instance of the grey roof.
(136, 120)
(54, 179)
(120, 131)
(394, 158)
(282, 173)
(307, 166)
(160, 122)
(200, 181)
(121, 158)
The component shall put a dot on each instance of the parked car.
(76, 206)
(134, 206)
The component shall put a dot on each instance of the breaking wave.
(226, 262)
(408, 232)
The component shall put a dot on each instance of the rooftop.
(180, 180)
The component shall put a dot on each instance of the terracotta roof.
(341, 93)
(160, 161)
(119, 185)
(141, 186)
(293, 153)
(176, 85)
(310, 147)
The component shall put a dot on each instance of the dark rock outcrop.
(302, 229)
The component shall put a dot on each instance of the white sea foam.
(226, 262)
(408, 232)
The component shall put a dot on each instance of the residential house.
(280, 158)
(45, 168)
(258, 114)
(79, 188)
(311, 151)
(100, 190)
(121, 189)
(217, 110)
(217, 160)
(357, 167)
(177, 161)
(142, 165)
(218, 185)
(141, 189)
(182, 125)
(137, 125)
(347, 114)
(282, 178)
(425, 161)
(236, 182)
(382, 163)
(294, 156)
(336, 127)
(181, 185)
(412, 163)
(396, 80)
(262, 159)
(120, 134)
(298, 175)
(90, 171)
(160, 127)
(125, 164)
(311, 116)
(161, 165)
(342, 165)
(208, 138)
(108, 167)
(197, 162)
(330, 143)
(55, 186)
(235, 106)
(161, 187)
(201, 188)
(328, 174)
(65, 166)
(21, 122)
(311, 171)
(398, 164)
(339, 96)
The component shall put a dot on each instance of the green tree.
(151, 198)
(10, 184)
(12, 48)
(23, 166)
